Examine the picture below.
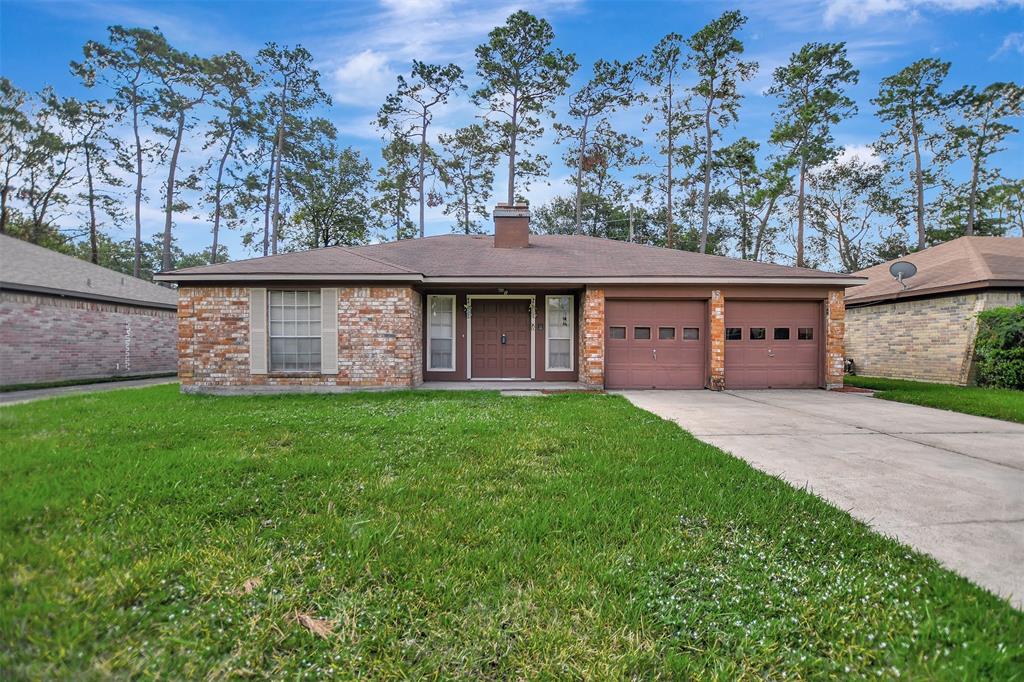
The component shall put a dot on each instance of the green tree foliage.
(521, 75)
(466, 165)
(409, 111)
(332, 200)
(396, 185)
(979, 131)
(912, 104)
(812, 100)
(715, 53)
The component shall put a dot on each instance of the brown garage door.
(772, 344)
(655, 344)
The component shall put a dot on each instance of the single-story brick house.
(926, 331)
(63, 318)
(512, 306)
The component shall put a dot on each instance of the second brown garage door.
(772, 344)
(655, 344)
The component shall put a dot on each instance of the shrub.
(999, 348)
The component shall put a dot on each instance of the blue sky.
(361, 46)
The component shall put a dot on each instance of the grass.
(998, 403)
(8, 388)
(450, 534)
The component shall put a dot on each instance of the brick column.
(835, 325)
(186, 336)
(716, 327)
(591, 350)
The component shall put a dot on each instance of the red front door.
(501, 339)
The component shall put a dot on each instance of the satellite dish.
(902, 270)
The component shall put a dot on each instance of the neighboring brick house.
(513, 306)
(62, 318)
(926, 331)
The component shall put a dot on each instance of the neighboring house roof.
(964, 264)
(474, 259)
(27, 267)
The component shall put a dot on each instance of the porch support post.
(716, 328)
(835, 328)
(591, 351)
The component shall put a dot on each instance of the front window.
(441, 333)
(294, 331)
(558, 330)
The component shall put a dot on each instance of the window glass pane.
(805, 333)
(616, 332)
(642, 333)
(691, 333)
(559, 322)
(757, 334)
(733, 333)
(666, 333)
(442, 331)
(294, 331)
(559, 353)
(781, 333)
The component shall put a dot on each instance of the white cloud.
(861, 152)
(860, 12)
(363, 78)
(1012, 43)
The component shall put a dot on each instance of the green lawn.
(444, 534)
(1000, 403)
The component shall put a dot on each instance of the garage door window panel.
(559, 333)
(733, 334)
(691, 333)
(666, 333)
(758, 334)
(617, 333)
(781, 334)
(805, 334)
(642, 333)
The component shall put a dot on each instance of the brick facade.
(591, 350)
(716, 332)
(379, 341)
(52, 338)
(930, 339)
(835, 355)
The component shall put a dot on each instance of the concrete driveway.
(948, 484)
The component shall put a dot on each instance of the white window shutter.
(328, 331)
(258, 331)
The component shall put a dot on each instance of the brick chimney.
(512, 226)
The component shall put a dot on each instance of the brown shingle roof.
(27, 267)
(467, 257)
(963, 264)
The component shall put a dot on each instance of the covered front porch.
(505, 337)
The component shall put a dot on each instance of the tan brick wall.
(591, 351)
(379, 340)
(926, 339)
(835, 323)
(716, 324)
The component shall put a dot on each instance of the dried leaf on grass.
(318, 626)
(251, 584)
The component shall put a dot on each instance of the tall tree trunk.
(276, 215)
(800, 217)
(918, 182)
(169, 207)
(972, 203)
(705, 210)
(422, 178)
(218, 191)
(512, 155)
(94, 251)
(669, 231)
(137, 263)
(266, 203)
(3, 207)
(744, 223)
(465, 203)
(579, 174)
